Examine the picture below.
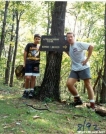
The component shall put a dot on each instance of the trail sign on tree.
(54, 43)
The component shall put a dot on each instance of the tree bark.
(7, 70)
(50, 84)
(3, 28)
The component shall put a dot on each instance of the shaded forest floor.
(30, 116)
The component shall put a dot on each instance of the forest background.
(21, 20)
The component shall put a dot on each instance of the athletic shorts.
(32, 69)
(83, 74)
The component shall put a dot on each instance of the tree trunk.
(15, 51)
(50, 84)
(3, 28)
(7, 70)
(103, 91)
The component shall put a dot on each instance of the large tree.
(50, 84)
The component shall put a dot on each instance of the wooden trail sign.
(54, 43)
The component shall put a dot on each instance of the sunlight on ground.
(3, 97)
(44, 121)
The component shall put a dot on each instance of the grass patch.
(18, 118)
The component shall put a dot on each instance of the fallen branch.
(37, 108)
(47, 108)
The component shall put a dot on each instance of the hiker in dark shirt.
(31, 64)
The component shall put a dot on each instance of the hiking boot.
(25, 94)
(31, 94)
(77, 101)
(91, 106)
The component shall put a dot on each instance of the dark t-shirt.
(33, 54)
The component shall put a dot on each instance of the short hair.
(71, 33)
(37, 35)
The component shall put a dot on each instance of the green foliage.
(48, 100)
(87, 22)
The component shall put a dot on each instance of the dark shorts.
(83, 74)
(32, 69)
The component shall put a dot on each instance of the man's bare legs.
(29, 86)
(30, 82)
(70, 84)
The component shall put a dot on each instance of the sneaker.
(31, 94)
(25, 94)
(77, 101)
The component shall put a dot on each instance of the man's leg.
(27, 86)
(70, 84)
(33, 81)
(35, 73)
(28, 74)
(90, 92)
(89, 89)
(85, 75)
(27, 82)
(32, 85)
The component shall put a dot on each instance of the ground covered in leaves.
(30, 116)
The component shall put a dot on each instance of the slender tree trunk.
(50, 84)
(3, 28)
(7, 71)
(15, 51)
